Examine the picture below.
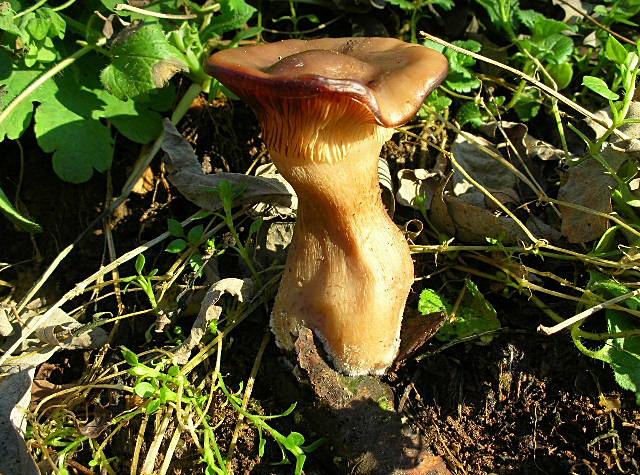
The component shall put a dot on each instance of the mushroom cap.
(389, 78)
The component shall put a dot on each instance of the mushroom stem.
(349, 268)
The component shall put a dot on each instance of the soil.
(519, 404)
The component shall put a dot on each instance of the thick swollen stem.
(349, 268)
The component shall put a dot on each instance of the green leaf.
(598, 86)
(294, 440)
(234, 14)
(615, 51)
(544, 27)
(561, 74)
(176, 246)
(558, 48)
(139, 265)
(437, 101)
(195, 235)
(470, 113)
(144, 389)
(13, 80)
(79, 144)
(502, 13)
(528, 105)
(624, 353)
(474, 315)
(7, 23)
(153, 406)
(403, 4)
(23, 223)
(608, 288)
(132, 119)
(141, 60)
(431, 302)
(461, 77)
(129, 356)
(175, 228)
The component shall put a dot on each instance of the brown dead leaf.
(589, 186)
(386, 185)
(439, 214)
(272, 241)
(417, 183)
(186, 175)
(416, 330)
(483, 168)
(241, 289)
(574, 10)
(474, 224)
(15, 394)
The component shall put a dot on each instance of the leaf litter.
(59, 331)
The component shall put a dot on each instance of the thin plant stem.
(32, 8)
(246, 396)
(587, 313)
(167, 16)
(66, 4)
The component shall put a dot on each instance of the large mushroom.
(326, 107)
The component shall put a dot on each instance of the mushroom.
(326, 106)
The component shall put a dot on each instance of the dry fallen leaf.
(417, 183)
(16, 383)
(474, 224)
(58, 331)
(269, 170)
(145, 183)
(15, 395)
(484, 169)
(574, 10)
(242, 289)
(589, 186)
(386, 183)
(186, 175)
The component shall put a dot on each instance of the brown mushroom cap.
(388, 77)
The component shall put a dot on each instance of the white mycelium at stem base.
(349, 269)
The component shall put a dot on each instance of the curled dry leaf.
(525, 144)
(474, 224)
(272, 241)
(58, 331)
(574, 10)
(386, 183)
(589, 186)
(460, 208)
(269, 170)
(17, 374)
(6, 328)
(242, 289)
(186, 175)
(15, 395)
(417, 183)
(483, 168)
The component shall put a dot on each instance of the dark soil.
(521, 404)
